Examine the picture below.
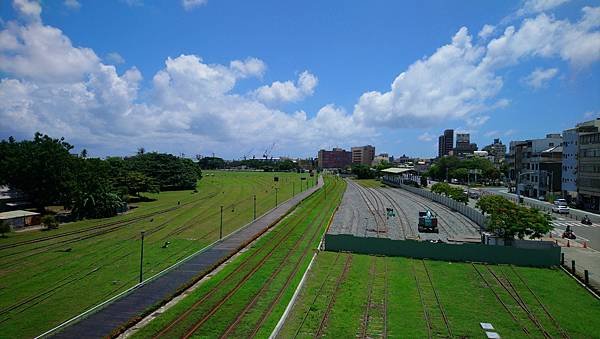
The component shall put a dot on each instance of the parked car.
(542, 198)
(560, 207)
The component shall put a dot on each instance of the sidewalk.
(117, 314)
(585, 258)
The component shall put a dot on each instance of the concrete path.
(122, 311)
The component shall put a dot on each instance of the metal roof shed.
(19, 218)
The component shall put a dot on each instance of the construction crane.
(247, 154)
(268, 152)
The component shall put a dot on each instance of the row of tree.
(452, 167)
(49, 174)
(448, 190)
(266, 165)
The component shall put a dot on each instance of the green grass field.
(47, 277)
(347, 295)
(247, 297)
(369, 183)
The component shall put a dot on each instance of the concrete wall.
(539, 256)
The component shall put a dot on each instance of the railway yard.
(363, 213)
(349, 295)
(84, 263)
(247, 297)
(258, 292)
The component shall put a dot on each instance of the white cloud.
(449, 84)
(249, 67)
(191, 4)
(537, 6)
(477, 121)
(43, 53)
(540, 77)
(28, 9)
(426, 136)
(72, 4)
(591, 114)
(115, 58)
(543, 36)
(486, 31)
(490, 134)
(280, 92)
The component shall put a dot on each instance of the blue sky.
(231, 77)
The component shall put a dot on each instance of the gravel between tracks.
(362, 213)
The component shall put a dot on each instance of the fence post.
(586, 277)
(562, 259)
(573, 266)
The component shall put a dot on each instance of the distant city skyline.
(232, 78)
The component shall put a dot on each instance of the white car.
(560, 207)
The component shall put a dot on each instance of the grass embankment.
(405, 302)
(249, 295)
(66, 271)
(369, 183)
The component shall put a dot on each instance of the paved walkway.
(122, 311)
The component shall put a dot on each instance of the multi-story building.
(363, 155)
(336, 158)
(569, 164)
(446, 143)
(464, 145)
(496, 151)
(588, 165)
(381, 158)
(535, 165)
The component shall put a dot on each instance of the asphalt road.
(363, 213)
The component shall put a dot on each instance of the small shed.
(19, 218)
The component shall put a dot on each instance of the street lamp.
(221, 228)
(254, 207)
(142, 258)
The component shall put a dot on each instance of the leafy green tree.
(509, 220)
(4, 228)
(50, 222)
(210, 163)
(41, 168)
(137, 182)
(362, 171)
(169, 171)
(460, 174)
(423, 181)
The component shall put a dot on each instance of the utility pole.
(293, 188)
(254, 207)
(142, 258)
(276, 190)
(221, 228)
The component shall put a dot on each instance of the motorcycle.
(586, 220)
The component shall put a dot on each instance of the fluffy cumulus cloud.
(540, 77)
(451, 83)
(191, 4)
(279, 92)
(191, 105)
(64, 90)
(462, 79)
(115, 58)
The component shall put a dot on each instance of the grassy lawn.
(453, 297)
(369, 183)
(249, 295)
(50, 276)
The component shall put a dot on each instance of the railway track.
(433, 308)
(561, 330)
(278, 242)
(319, 291)
(512, 291)
(504, 305)
(341, 278)
(404, 222)
(231, 328)
(365, 318)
